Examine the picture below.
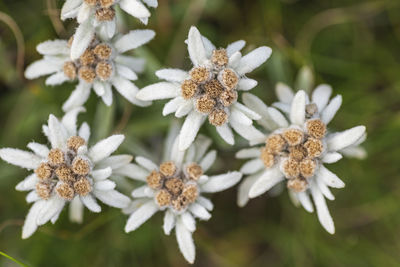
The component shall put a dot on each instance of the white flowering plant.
(297, 145)
(286, 144)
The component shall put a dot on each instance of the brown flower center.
(175, 188)
(212, 87)
(297, 151)
(64, 173)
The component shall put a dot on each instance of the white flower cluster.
(297, 145)
(91, 57)
(296, 140)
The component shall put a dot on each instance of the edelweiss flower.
(68, 172)
(295, 151)
(210, 89)
(99, 15)
(100, 67)
(176, 187)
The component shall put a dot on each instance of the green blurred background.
(353, 45)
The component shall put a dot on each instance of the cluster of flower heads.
(296, 140)
(210, 89)
(297, 145)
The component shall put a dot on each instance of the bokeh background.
(353, 45)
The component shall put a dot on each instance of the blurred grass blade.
(103, 120)
(12, 259)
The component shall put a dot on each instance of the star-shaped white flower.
(296, 148)
(101, 67)
(98, 16)
(210, 89)
(176, 187)
(69, 172)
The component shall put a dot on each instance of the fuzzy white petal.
(42, 67)
(57, 133)
(53, 206)
(324, 216)
(253, 60)
(133, 39)
(305, 201)
(161, 90)
(199, 211)
(234, 60)
(20, 158)
(83, 13)
(107, 97)
(284, 93)
(70, 118)
(135, 8)
(76, 210)
(84, 131)
(172, 75)
(246, 84)
(188, 221)
(197, 51)
(141, 215)
(226, 133)
(248, 153)
(184, 109)
(30, 225)
(247, 111)
(112, 198)
(28, 183)
(298, 108)
(90, 202)
(331, 157)
(135, 64)
(128, 90)
(321, 96)
(244, 188)
(173, 105)
(329, 112)
(68, 6)
(78, 97)
(146, 163)
(115, 162)
(252, 166)
(205, 202)
(132, 171)
(266, 181)
(248, 132)
(278, 118)
(140, 192)
(105, 147)
(104, 185)
(185, 241)
(235, 47)
(329, 178)
(101, 174)
(190, 129)
(221, 182)
(324, 189)
(39, 149)
(56, 79)
(256, 104)
(32, 197)
(208, 160)
(83, 36)
(169, 222)
(126, 72)
(208, 45)
(354, 152)
(345, 138)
